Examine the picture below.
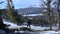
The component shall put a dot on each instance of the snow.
(33, 15)
(19, 31)
(38, 27)
(50, 32)
(43, 32)
(14, 26)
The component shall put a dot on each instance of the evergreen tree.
(2, 25)
(13, 14)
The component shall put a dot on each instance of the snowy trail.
(35, 28)
(32, 26)
(44, 32)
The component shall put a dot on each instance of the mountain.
(30, 10)
(35, 10)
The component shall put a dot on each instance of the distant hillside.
(30, 10)
(35, 10)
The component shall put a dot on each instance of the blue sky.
(21, 3)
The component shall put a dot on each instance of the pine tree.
(2, 25)
(13, 14)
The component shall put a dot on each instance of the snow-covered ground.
(12, 26)
(44, 32)
(33, 15)
(50, 32)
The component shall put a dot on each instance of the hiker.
(28, 23)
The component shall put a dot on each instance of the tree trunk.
(49, 14)
(59, 20)
(59, 12)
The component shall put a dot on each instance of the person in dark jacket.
(29, 23)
